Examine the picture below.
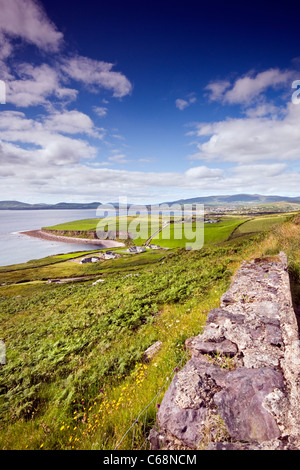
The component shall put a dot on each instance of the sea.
(16, 248)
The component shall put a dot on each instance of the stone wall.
(241, 387)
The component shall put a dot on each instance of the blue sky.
(153, 101)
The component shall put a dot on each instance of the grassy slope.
(88, 224)
(74, 377)
(66, 343)
(173, 236)
(259, 224)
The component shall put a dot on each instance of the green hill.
(76, 376)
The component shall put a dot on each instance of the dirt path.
(72, 279)
(156, 233)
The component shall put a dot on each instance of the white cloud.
(27, 19)
(35, 156)
(72, 122)
(100, 111)
(104, 184)
(251, 139)
(98, 74)
(217, 89)
(247, 88)
(35, 85)
(201, 172)
(265, 109)
(6, 47)
(37, 143)
(251, 86)
(119, 158)
(183, 104)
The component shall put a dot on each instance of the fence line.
(148, 406)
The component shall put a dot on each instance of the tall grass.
(75, 376)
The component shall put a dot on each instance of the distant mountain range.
(238, 199)
(16, 205)
(233, 200)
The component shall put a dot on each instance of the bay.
(16, 248)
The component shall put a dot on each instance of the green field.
(260, 224)
(75, 376)
(109, 223)
(173, 236)
(74, 350)
(80, 225)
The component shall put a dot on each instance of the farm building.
(90, 260)
(110, 255)
(137, 249)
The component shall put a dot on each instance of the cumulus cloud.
(6, 47)
(97, 74)
(34, 85)
(35, 154)
(26, 19)
(202, 172)
(251, 139)
(105, 184)
(72, 122)
(100, 111)
(245, 89)
(183, 104)
(38, 143)
(265, 109)
(216, 89)
(119, 158)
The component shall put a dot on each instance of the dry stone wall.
(241, 387)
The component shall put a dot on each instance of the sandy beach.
(59, 238)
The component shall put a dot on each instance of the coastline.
(59, 238)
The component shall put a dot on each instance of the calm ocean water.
(16, 248)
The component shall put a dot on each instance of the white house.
(137, 249)
(89, 260)
(110, 255)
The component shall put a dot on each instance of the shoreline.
(59, 238)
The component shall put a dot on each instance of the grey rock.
(274, 335)
(275, 444)
(183, 424)
(227, 299)
(152, 351)
(254, 358)
(188, 402)
(256, 405)
(232, 446)
(219, 315)
(224, 348)
(240, 404)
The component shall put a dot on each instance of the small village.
(110, 255)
